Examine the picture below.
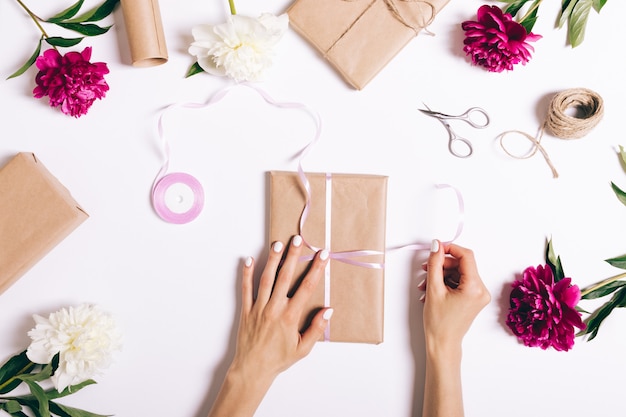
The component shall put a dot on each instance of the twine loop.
(572, 114)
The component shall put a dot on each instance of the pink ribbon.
(164, 181)
(459, 228)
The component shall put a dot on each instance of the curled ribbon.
(589, 109)
(164, 181)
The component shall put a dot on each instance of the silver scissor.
(458, 145)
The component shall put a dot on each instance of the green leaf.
(618, 262)
(514, 6)
(595, 320)
(12, 407)
(566, 11)
(39, 393)
(554, 262)
(28, 63)
(53, 394)
(66, 411)
(598, 5)
(28, 401)
(621, 195)
(605, 290)
(87, 29)
(529, 21)
(578, 21)
(97, 13)
(194, 69)
(622, 154)
(63, 42)
(67, 13)
(17, 365)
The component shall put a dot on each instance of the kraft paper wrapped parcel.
(359, 37)
(357, 206)
(36, 213)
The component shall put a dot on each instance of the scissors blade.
(431, 113)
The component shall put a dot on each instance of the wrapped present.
(346, 215)
(359, 37)
(36, 213)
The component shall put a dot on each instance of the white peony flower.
(241, 48)
(85, 338)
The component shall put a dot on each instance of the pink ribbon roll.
(174, 211)
(164, 181)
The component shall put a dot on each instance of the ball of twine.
(588, 107)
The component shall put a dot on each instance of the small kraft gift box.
(346, 214)
(360, 37)
(36, 213)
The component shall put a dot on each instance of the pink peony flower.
(496, 41)
(71, 81)
(543, 313)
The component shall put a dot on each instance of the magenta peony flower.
(543, 313)
(496, 41)
(71, 81)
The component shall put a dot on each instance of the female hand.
(269, 339)
(455, 294)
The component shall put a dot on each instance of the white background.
(174, 288)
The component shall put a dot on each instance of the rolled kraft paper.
(145, 32)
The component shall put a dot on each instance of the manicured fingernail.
(278, 246)
(297, 241)
(423, 297)
(248, 261)
(434, 246)
(328, 314)
(324, 255)
(421, 283)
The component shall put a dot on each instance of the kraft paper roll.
(145, 32)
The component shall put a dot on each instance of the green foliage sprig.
(574, 14)
(41, 402)
(68, 19)
(615, 285)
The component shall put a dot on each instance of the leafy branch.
(615, 285)
(574, 14)
(19, 369)
(68, 19)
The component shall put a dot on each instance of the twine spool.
(587, 107)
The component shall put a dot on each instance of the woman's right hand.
(454, 295)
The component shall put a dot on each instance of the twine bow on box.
(403, 18)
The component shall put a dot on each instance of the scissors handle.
(459, 146)
(475, 117)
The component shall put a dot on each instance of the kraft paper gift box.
(360, 37)
(36, 213)
(357, 206)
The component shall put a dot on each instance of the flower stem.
(530, 11)
(231, 3)
(35, 18)
(601, 284)
(25, 369)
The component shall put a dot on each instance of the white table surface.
(174, 288)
